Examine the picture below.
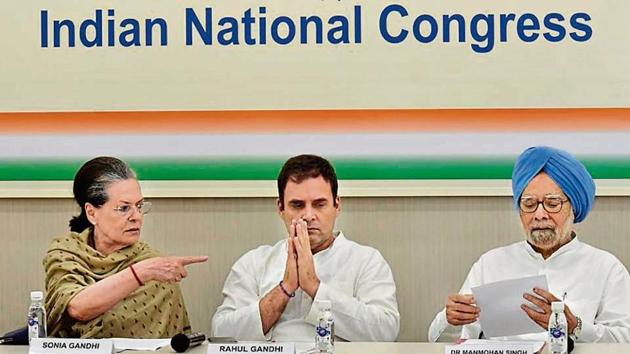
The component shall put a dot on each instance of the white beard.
(543, 237)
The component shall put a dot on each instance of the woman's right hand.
(166, 269)
(460, 309)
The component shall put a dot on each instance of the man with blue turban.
(552, 192)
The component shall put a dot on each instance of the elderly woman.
(101, 281)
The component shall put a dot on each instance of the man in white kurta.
(355, 278)
(552, 191)
(597, 286)
(272, 292)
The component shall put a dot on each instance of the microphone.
(182, 341)
(16, 337)
(6, 340)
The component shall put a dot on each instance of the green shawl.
(155, 310)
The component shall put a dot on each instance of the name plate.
(70, 346)
(494, 348)
(252, 347)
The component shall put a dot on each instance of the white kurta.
(596, 282)
(355, 278)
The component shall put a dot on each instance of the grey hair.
(91, 182)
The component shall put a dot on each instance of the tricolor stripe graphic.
(363, 144)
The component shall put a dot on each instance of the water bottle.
(36, 317)
(325, 330)
(558, 329)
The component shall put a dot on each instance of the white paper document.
(500, 303)
(122, 344)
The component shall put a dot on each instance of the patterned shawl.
(155, 310)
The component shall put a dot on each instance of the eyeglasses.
(143, 207)
(551, 204)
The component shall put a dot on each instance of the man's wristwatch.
(578, 328)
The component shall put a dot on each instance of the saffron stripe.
(283, 121)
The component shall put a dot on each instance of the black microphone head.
(180, 342)
(16, 337)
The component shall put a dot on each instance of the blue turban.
(569, 173)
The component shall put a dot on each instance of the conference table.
(376, 348)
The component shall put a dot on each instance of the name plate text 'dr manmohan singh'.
(251, 347)
(494, 347)
(70, 346)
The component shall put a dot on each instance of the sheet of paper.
(500, 303)
(122, 344)
(536, 345)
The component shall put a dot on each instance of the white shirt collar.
(340, 239)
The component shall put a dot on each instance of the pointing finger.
(186, 260)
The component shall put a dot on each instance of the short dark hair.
(90, 185)
(301, 167)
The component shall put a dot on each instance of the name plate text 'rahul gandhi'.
(70, 346)
(252, 347)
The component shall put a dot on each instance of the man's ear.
(338, 206)
(90, 212)
(279, 206)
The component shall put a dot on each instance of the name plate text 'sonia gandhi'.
(68, 346)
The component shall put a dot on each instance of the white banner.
(78, 55)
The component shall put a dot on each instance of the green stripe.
(267, 169)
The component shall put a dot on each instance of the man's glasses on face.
(143, 207)
(551, 203)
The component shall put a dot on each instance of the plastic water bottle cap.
(37, 295)
(324, 304)
(557, 307)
